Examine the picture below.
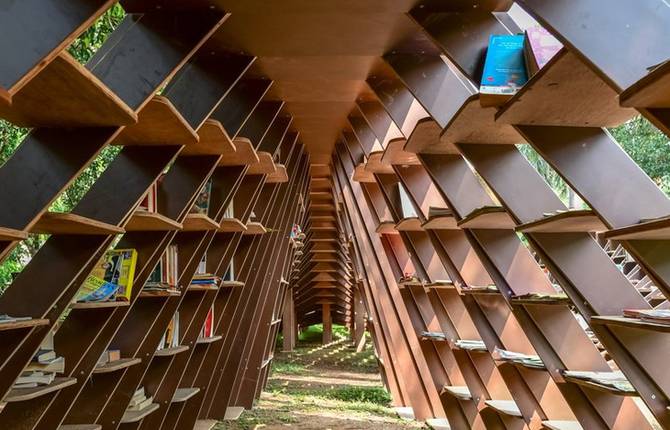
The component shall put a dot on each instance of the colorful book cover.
(540, 47)
(112, 277)
(504, 68)
(128, 259)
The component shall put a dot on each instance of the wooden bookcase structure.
(428, 228)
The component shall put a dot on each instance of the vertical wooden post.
(327, 324)
(288, 323)
(358, 331)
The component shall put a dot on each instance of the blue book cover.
(504, 68)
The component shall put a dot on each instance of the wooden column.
(288, 323)
(358, 332)
(327, 323)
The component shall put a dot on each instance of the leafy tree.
(11, 136)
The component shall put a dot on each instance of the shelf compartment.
(158, 123)
(572, 221)
(386, 227)
(100, 305)
(254, 228)
(656, 229)
(10, 234)
(460, 392)
(35, 322)
(635, 323)
(396, 154)
(199, 222)
(279, 176)
(213, 140)
(23, 394)
(505, 407)
(362, 175)
(116, 365)
(409, 224)
(74, 96)
(69, 223)
(130, 417)
(169, 352)
(424, 137)
(183, 394)
(475, 124)
(232, 225)
(652, 91)
(565, 92)
(599, 387)
(244, 154)
(374, 163)
(208, 340)
(487, 217)
(151, 221)
(264, 166)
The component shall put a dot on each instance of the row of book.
(511, 60)
(165, 276)
(170, 338)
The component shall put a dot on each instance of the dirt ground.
(318, 387)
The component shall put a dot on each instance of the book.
(44, 356)
(165, 275)
(114, 355)
(55, 365)
(4, 319)
(658, 316)
(431, 335)
(470, 345)
(207, 328)
(504, 69)
(141, 405)
(201, 205)
(150, 201)
(111, 278)
(35, 377)
(540, 46)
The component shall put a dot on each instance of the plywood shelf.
(183, 394)
(362, 175)
(561, 425)
(443, 222)
(424, 137)
(116, 365)
(69, 223)
(460, 392)
(80, 427)
(374, 163)
(130, 417)
(158, 123)
(386, 227)
(35, 322)
(409, 224)
(264, 166)
(231, 284)
(549, 300)
(475, 124)
(232, 225)
(148, 294)
(208, 340)
(573, 221)
(169, 352)
(24, 394)
(244, 154)
(199, 222)
(100, 305)
(505, 407)
(652, 91)
(396, 154)
(487, 217)
(65, 94)
(565, 92)
(634, 323)
(254, 228)
(656, 229)
(213, 140)
(151, 221)
(10, 234)
(279, 176)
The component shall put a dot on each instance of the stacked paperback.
(205, 280)
(658, 316)
(109, 356)
(165, 275)
(519, 358)
(43, 368)
(614, 380)
(470, 345)
(432, 335)
(139, 401)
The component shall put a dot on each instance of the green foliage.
(553, 179)
(354, 394)
(11, 136)
(92, 39)
(648, 147)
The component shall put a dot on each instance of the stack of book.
(7, 319)
(432, 335)
(517, 357)
(111, 279)
(614, 380)
(165, 275)
(481, 288)
(470, 345)
(201, 205)
(170, 338)
(208, 329)
(205, 279)
(109, 356)
(43, 368)
(542, 297)
(139, 401)
(504, 69)
(658, 316)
